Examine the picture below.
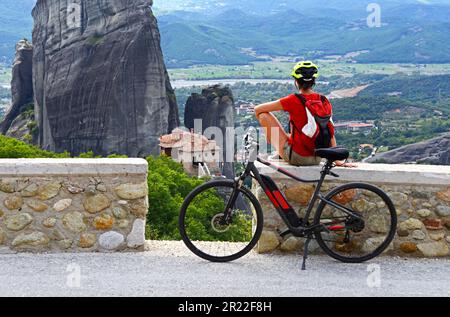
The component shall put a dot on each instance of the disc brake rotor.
(219, 223)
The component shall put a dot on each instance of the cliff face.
(435, 151)
(215, 107)
(21, 91)
(99, 77)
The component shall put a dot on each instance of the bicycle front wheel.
(219, 223)
(363, 236)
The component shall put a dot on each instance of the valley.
(281, 70)
(180, 83)
(5, 87)
(378, 93)
(400, 100)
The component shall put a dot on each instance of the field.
(5, 75)
(163, 7)
(5, 92)
(282, 69)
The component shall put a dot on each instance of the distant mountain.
(426, 94)
(435, 152)
(408, 12)
(414, 88)
(15, 24)
(188, 44)
(412, 32)
(215, 32)
(265, 7)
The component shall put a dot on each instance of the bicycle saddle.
(333, 154)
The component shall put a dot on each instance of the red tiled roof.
(361, 125)
(183, 139)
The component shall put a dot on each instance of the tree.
(168, 186)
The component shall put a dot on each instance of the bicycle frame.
(297, 226)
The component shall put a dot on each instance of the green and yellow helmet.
(305, 70)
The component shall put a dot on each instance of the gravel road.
(168, 269)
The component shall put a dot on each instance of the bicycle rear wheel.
(350, 239)
(208, 233)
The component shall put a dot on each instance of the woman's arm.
(333, 142)
(268, 107)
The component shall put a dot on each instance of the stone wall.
(421, 195)
(73, 205)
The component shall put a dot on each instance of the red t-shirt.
(303, 146)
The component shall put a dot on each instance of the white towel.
(310, 129)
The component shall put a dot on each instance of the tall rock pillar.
(215, 107)
(21, 89)
(99, 77)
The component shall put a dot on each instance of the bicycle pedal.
(284, 233)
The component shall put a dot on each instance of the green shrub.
(117, 156)
(12, 148)
(28, 110)
(95, 39)
(33, 128)
(168, 186)
(28, 138)
(88, 155)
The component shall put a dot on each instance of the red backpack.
(322, 126)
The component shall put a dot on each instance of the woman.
(298, 148)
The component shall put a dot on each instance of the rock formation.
(17, 121)
(99, 77)
(435, 152)
(215, 107)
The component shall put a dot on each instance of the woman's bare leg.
(275, 133)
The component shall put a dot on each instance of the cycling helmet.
(305, 70)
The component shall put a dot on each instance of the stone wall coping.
(75, 167)
(403, 174)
